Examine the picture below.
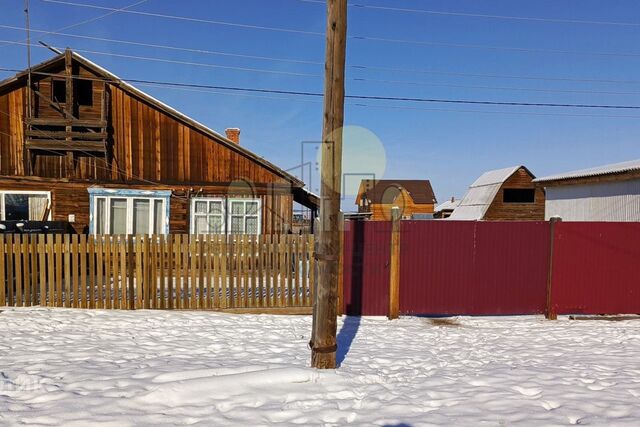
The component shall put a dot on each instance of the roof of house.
(615, 168)
(448, 205)
(127, 87)
(481, 193)
(419, 189)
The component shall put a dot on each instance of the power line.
(167, 47)
(87, 21)
(355, 67)
(370, 97)
(358, 79)
(483, 15)
(180, 62)
(191, 19)
(359, 37)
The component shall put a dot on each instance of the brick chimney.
(233, 134)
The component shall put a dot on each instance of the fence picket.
(123, 272)
(185, 272)
(10, 271)
(224, 264)
(83, 270)
(91, 272)
(200, 267)
(75, 254)
(170, 270)
(99, 244)
(18, 270)
(3, 285)
(115, 260)
(33, 269)
(161, 272)
(51, 282)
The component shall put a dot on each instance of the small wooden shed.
(507, 194)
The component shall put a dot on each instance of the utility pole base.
(323, 360)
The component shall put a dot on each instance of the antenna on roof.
(51, 48)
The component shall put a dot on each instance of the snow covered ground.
(121, 368)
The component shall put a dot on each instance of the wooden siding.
(148, 148)
(145, 143)
(73, 198)
(500, 211)
(382, 211)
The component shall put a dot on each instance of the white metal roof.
(447, 205)
(481, 193)
(614, 168)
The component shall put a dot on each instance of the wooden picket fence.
(157, 272)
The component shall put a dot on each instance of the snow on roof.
(448, 205)
(481, 193)
(614, 168)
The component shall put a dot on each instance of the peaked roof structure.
(614, 168)
(420, 190)
(43, 69)
(481, 193)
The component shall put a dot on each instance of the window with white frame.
(244, 216)
(24, 205)
(116, 214)
(207, 215)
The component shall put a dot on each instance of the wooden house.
(414, 197)
(603, 193)
(83, 146)
(507, 194)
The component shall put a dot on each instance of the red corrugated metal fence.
(485, 268)
(366, 267)
(469, 267)
(596, 268)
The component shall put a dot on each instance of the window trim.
(130, 196)
(27, 192)
(245, 200)
(192, 213)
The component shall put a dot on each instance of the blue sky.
(449, 144)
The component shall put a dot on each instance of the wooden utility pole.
(394, 265)
(323, 335)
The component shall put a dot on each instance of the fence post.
(394, 265)
(550, 313)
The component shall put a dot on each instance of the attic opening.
(59, 91)
(84, 92)
(519, 195)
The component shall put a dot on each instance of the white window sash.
(257, 215)
(129, 213)
(193, 214)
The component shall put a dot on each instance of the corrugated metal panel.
(606, 201)
(497, 176)
(595, 268)
(450, 267)
(630, 165)
(365, 267)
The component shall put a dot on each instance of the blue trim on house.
(117, 192)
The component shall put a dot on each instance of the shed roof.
(481, 193)
(420, 190)
(611, 169)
